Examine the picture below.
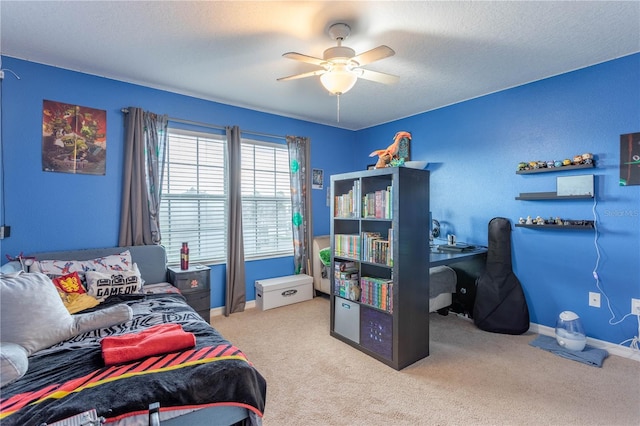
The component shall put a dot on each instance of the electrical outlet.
(594, 299)
(635, 306)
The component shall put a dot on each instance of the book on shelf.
(347, 245)
(377, 204)
(376, 249)
(343, 265)
(348, 205)
(377, 292)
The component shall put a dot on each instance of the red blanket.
(156, 340)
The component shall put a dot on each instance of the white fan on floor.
(341, 67)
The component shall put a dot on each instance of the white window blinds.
(194, 198)
(193, 206)
(266, 199)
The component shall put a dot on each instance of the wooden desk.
(468, 266)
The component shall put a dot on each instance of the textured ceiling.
(231, 51)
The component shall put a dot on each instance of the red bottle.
(184, 257)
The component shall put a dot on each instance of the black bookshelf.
(390, 322)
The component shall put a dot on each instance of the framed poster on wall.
(630, 159)
(317, 179)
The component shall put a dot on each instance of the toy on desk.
(385, 156)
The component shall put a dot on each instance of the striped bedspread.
(71, 377)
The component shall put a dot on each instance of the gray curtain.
(144, 156)
(235, 290)
(302, 225)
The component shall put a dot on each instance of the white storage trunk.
(280, 291)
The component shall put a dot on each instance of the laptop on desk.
(457, 248)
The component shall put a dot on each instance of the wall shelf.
(573, 186)
(556, 169)
(589, 225)
(533, 196)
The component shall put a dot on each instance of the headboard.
(151, 259)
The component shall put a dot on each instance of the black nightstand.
(194, 283)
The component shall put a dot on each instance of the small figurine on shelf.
(396, 162)
(577, 160)
(566, 162)
(529, 220)
(551, 164)
(521, 221)
(539, 220)
(522, 166)
(533, 165)
(386, 155)
(557, 163)
(587, 158)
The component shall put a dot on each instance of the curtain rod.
(213, 126)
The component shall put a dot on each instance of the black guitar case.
(500, 305)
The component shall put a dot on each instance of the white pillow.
(114, 262)
(32, 314)
(13, 362)
(103, 318)
(104, 284)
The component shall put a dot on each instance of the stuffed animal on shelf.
(386, 155)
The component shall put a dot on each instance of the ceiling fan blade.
(303, 75)
(373, 55)
(305, 58)
(378, 77)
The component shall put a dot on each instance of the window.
(193, 204)
(266, 200)
(194, 199)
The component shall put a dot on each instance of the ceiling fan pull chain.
(338, 96)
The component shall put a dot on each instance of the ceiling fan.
(341, 67)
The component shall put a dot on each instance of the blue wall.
(472, 147)
(59, 211)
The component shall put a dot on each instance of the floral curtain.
(144, 157)
(301, 218)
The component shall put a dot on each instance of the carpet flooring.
(471, 377)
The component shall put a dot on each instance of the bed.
(211, 382)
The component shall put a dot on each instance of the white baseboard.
(612, 348)
(220, 311)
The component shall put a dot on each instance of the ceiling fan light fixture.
(338, 80)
